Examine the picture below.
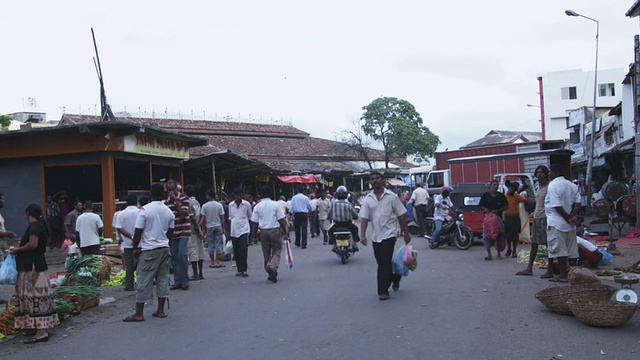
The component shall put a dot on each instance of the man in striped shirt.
(342, 213)
(178, 203)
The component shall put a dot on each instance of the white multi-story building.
(564, 91)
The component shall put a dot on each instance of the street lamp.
(593, 122)
(543, 132)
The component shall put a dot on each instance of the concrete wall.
(21, 184)
(556, 109)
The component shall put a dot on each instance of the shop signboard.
(155, 146)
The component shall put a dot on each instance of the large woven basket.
(602, 312)
(555, 298)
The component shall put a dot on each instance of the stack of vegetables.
(7, 322)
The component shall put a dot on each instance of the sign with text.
(155, 146)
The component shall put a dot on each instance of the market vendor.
(4, 234)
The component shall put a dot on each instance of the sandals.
(546, 276)
(34, 340)
(161, 316)
(559, 280)
(132, 318)
(217, 266)
(524, 273)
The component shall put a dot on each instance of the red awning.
(303, 179)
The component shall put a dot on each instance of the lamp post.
(543, 132)
(593, 122)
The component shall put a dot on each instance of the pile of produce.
(119, 279)
(88, 263)
(84, 290)
(63, 308)
(7, 322)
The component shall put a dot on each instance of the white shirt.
(113, 223)
(87, 227)
(267, 213)
(440, 213)
(239, 217)
(314, 204)
(284, 205)
(127, 221)
(2, 229)
(420, 196)
(382, 215)
(560, 192)
(213, 210)
(155, 219)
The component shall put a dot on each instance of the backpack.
(491, 226)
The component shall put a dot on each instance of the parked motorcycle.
(343, 248)
(454, 232)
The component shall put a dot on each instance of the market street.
(455, 306)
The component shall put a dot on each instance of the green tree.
(5, 121)
(398, 126)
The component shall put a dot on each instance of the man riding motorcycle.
(342, 213)
(441, 210)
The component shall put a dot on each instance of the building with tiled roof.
(503, 137)
(284, 148)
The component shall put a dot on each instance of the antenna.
(105, 110)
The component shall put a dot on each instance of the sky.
(467, 66)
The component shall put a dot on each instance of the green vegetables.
(85, 290)
(88, 263)
(63, 308)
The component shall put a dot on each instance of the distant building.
(502, 137)
(29, 116)
(564, 91)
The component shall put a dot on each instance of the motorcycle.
(343, 247)
(453, 232)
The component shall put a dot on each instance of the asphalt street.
(454, 306)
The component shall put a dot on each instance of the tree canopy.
(5, 121)
(398, 126)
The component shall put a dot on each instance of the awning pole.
(213, 173)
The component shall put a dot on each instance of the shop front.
(100, 162)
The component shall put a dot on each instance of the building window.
(569, 93)
(606, 90)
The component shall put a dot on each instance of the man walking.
(196, 249)
(561, 204)
(213, 217)
(323, 216)
(239, 216)
(300, 208)
(270, 219)
(153, 229)
(126, 226)
(89, 227)
(384, 211)
(420, 200)
(314, 224)
(178, 203)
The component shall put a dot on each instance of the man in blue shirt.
(300, 208)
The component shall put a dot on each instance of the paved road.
(455, 306)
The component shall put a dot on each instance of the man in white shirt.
(420, 200)
(561, 205)
(126, 226)
(89, 227)
(212, 213)
(239, 216)
(154, 228)
(270, 219)
(314, 224)
(384, 211)
(441, 210)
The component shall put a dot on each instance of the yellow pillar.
(108, 193)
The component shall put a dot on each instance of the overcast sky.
(467, 66)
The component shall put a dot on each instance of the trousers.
(383, 251)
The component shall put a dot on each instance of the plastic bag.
(398, 266)
(287, 247)
(228, 248)
(407, 256)
(606, 257)
(9, 271)
(66, 244)
(413, 266)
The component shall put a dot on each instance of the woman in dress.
(525, 233)
(36, 311)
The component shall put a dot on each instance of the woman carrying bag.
(36, 310)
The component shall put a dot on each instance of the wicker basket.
(602, 312)
(555, 298)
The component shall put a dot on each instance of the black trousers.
(300, 221)
(421, 213)
(314, 224)
(383, 252)
(240, 245)
(128, 275)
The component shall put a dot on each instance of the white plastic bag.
(228, 248)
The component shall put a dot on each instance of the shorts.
(153, 266)
(195, 248)
(562, 243)
(214, 240)
(539, 231)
